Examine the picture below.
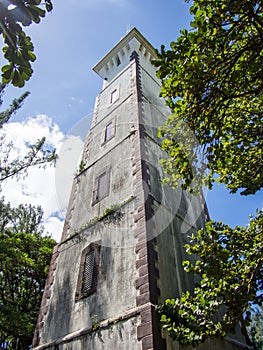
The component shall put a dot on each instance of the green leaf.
(18, 49)
(24, 257)
(18, 79)
(7, 68)
(31, 56)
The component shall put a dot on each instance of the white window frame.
(96, 198)
(104, 138)
(114, 95)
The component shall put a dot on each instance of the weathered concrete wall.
(120, 335)
(120, 188)
(115, 293)
(104, 107)
(116, 154)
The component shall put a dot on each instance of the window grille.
(88, 272)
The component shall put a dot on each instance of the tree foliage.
(39, 154)
(24, 260)
(255, 328)
(19, 49)
(230, 265)
(212, 79)
(24, 252)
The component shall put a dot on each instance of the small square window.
(102, 186)
(114, 96)
(88, 272)
(108, 132)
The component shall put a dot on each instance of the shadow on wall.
(58, 318)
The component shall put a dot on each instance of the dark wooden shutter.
(88, 272)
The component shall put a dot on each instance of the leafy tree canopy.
(212, 78)
(19, 49)
(230, 265)
(213, 81)
(24, 260)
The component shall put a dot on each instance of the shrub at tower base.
(212, 78)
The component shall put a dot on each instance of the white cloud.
(54, 226)
(33, 129)
(43, 186)
(69, 157)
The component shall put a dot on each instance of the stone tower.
(121, 247)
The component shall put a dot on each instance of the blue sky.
(71, 40)
(68, 43)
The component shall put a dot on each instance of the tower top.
(119, 56)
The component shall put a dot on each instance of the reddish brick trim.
(46, 296)
(143, 252)
(96, 111)
(146, 315)
(144, 288)
(140, 246)
(141, 262)
(66, 227)
(143, 298)
(147, 342)
(145, 329)
(141, 281)
(148, 332)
